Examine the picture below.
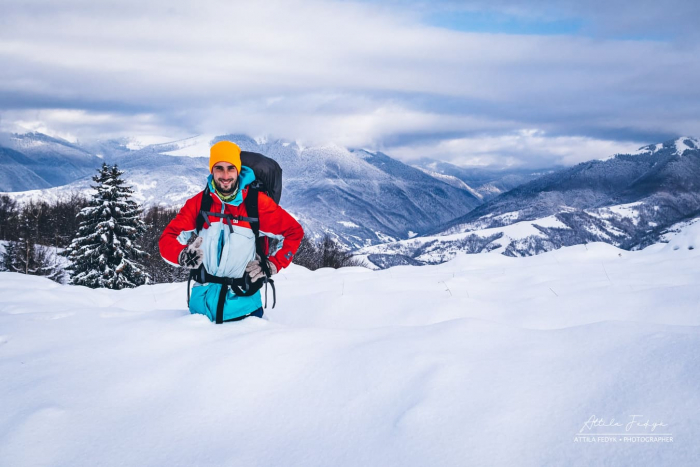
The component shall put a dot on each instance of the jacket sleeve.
(278, 224)
(174, 238)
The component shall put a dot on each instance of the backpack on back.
(267, 171)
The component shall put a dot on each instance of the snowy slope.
(488, 182)
(678, 235)
(35, 160)
(510, 234)
(451, 180)
(434, 249)
(484, 360)
(196, 146)
(677, 146)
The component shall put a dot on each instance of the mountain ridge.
(628, 200)
(357, 196)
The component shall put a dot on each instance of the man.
(225, 246)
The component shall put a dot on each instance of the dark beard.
(224, 192)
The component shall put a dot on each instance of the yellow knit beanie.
(225, 151)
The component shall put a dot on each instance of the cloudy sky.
(471, 82)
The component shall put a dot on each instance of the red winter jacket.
(275, 222)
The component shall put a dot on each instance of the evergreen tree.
(325, 254)
(24, 255)
(104, 253)
(10, 257)
(8, 218)
(333, 256)
(308, 254)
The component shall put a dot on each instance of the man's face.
(225, 176)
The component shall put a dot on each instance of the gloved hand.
(254, 269)
(192, 256)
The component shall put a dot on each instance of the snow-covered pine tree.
(10, 258)
(104, 252)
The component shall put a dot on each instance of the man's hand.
(192, 256)
(254, 269)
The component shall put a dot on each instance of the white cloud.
(321, 71)
(527, 146)
(74, 124)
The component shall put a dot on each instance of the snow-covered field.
(484, 360)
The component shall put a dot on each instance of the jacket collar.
(245, 178)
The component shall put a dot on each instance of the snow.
(383, 237)
(681, 145)
(479, 226)
(50, 195)
(484, 360)
(508, 216)
(651, 148)
(365, 154)
(442, 247)
(550, 222)
(685, 236)
(450, 180)
(141, 188)
(143, 141)
(195, 146)
(595, 230)
(365, 260)
(629, 210)
(522, 229)
(516, 231)
(348, 224)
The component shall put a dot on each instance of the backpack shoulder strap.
(251, 207)
(204, 207)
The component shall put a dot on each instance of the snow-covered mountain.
(671, 169)
(486, 182)
(361, 198)
(35, 160)
(629, 200)
(452, 180)
(371, 202)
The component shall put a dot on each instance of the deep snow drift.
(484, 360)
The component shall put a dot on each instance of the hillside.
(627, 200)
(463, 363)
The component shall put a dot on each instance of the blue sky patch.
(501, 23)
